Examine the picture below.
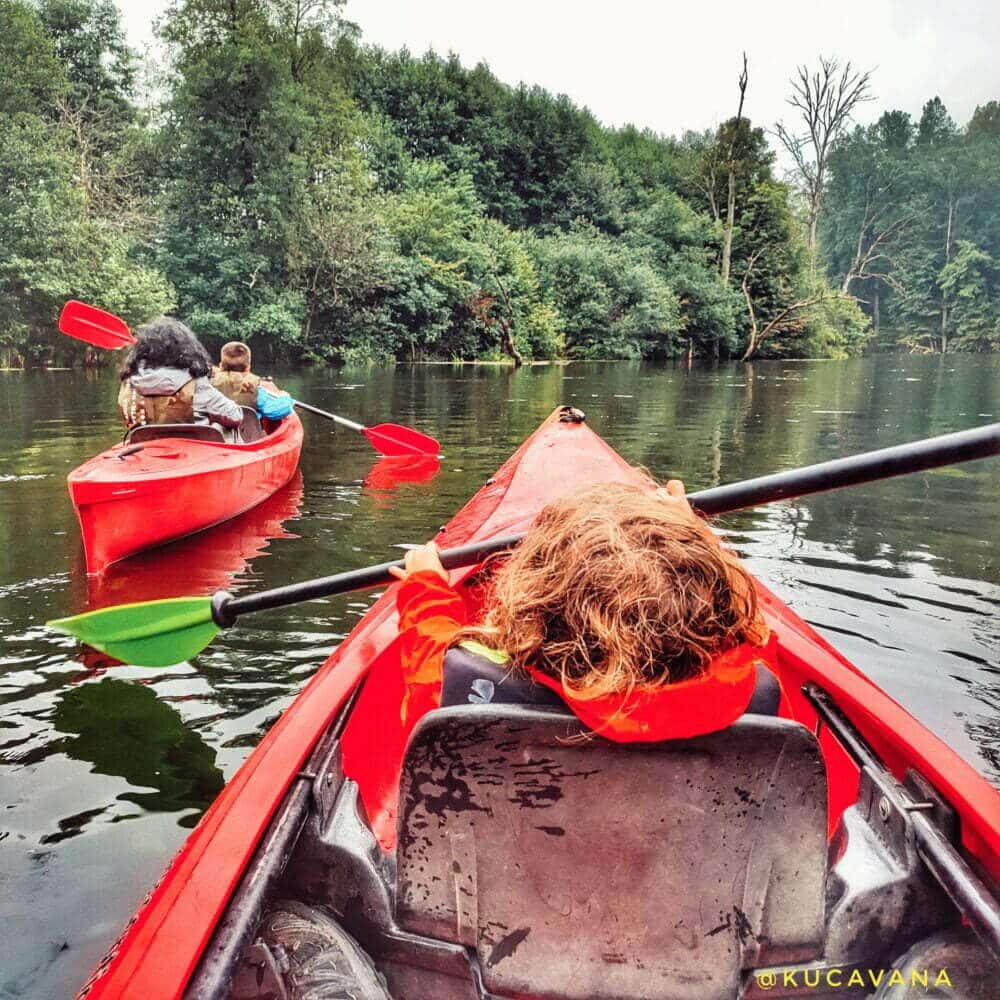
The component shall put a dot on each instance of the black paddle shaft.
(948, 449)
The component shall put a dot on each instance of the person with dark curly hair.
(164, 380)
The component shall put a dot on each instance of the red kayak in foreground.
(511, 855)
(162, 484)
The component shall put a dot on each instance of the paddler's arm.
(431, 614)
(273, 405)
(214, 405)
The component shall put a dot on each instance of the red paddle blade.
(95, 326)
(392, 440)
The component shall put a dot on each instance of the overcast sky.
(673, 66)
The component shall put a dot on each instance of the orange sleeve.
(431, 614)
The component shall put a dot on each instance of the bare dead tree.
(111, 186)
(825, 100)
(78, 121)
(949, 237)
(873, 253)
(727, 233)
(708, 187)
(782, 319)
(703, 171)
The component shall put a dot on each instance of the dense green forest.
(279, 181)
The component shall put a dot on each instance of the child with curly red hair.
(620, 600)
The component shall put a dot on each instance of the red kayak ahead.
(164, 482)
(512, 855)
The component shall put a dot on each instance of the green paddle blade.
(152, 634)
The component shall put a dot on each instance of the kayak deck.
(323, 789)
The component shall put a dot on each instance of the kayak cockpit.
(536, 860)
(250, 430)
(558, 858)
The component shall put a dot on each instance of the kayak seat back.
(250, 429)
(190, 432)
(576, 867)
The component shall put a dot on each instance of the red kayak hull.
(163, 943)
(175, 487)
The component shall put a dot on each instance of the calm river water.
(104, 771)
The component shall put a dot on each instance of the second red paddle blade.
(392, 440)
(94, 326)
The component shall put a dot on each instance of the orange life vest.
(432, 614)
(136, 409)
(707, 703)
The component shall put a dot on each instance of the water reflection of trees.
(706, 424)
(124, 729)
(724, 423)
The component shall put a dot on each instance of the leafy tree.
(647, 164)
(331, 202)
(51, 251)
(902, 198)
(971, 281)
(612, 300)
(32, 77)
(683, 245)
(507, 305)
(433, 221)
(54, 244)
(440, 110)
(868, 217)
(936, 129)
(344, 258)
(100, 68)
(254, 112)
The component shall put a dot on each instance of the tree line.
(280, 182)
(912, 227)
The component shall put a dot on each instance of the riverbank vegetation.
(280, 182)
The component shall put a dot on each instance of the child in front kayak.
(235, 381)
(233, 377)
(620, 601)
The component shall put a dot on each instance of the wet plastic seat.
(575, 867)
(191, 432)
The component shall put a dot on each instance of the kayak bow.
(337, 735)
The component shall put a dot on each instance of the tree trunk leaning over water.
(507, 323)
(872, 257)
(727, 234)
(759, 333)
(825, 101)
